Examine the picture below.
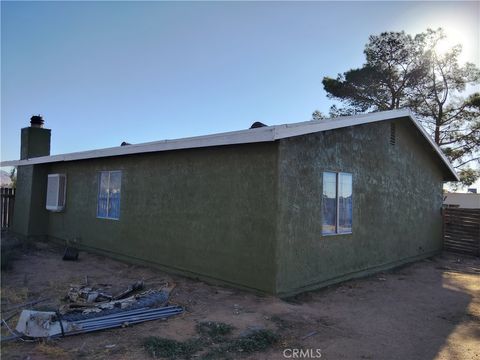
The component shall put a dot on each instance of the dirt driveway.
(427, 310)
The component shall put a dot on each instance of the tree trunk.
(438, 124)
(437, 134)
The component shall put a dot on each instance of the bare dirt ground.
(426, 310)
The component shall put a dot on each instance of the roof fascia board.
(435, 147)
(265, 134)
(286, 131)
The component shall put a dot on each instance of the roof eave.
(454, 176)
(263, 134)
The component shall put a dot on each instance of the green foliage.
(214, 330)
(394, 66)
(259, 340)
(13, 177)
(469, 176)
(317, 115)
(223, 347)
(405, 71)
(171, 349)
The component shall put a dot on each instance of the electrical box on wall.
(56, 192)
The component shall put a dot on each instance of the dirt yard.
(427, 310)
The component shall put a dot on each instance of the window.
(56, 192)
(109, 185)
(337, 203)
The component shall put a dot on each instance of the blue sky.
(105, 72)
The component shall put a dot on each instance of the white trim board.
(263, 134)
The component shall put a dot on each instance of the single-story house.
(276, 209)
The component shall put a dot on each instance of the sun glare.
(443, 46)
(457, 37)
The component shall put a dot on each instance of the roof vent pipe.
(36, 121)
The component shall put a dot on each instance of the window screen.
(337, 203)
(329, 203)
(344, 202)
(109, 190)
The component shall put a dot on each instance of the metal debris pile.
(92, 309)
(85, 299)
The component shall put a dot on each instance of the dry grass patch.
(52, 351)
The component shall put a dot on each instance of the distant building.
(462, 200)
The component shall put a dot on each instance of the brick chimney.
(35, 140)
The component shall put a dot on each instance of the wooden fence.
(7, 201)
(461, 230)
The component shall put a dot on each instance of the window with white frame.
(109, 190)
(56, 192)
(337, 203)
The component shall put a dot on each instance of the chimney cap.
(37, 121)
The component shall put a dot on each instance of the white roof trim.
(263, 134)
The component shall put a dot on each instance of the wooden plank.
(471, 248)
(467, 249)
(461, 236)
(460, 233)
(7, 200)
(460, 241)
(472, 224)
(461, 251)
(461, 230)
(461, 210)
(462, 218)
(468, 227)
(462, 221)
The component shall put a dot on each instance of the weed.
(172, 349)
(14, 295)
(214, 330)
(52, 351)
(258, 340)
(282, 323)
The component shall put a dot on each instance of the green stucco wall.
(397, 197)
(207, 212)
(30, 219)
(250, 215)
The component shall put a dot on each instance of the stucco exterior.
(208, 213)
(250, 214)
(397, 198)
